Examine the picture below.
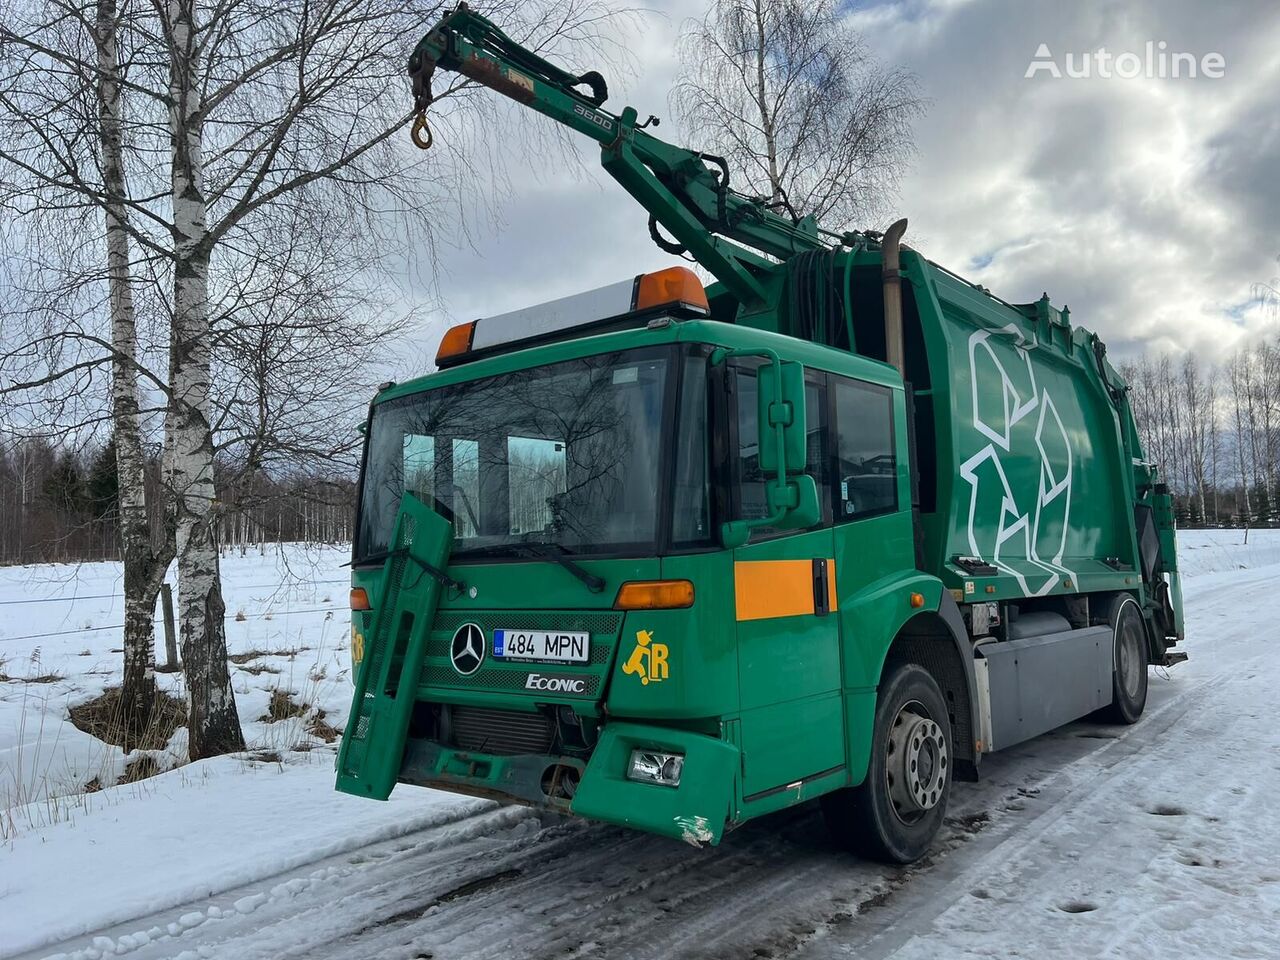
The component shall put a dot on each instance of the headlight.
(649, 766)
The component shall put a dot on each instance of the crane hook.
(419, 128)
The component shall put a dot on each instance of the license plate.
(538, 645)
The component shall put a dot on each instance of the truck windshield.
(567, 454)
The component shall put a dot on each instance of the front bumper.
(695, 811)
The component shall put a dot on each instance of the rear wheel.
(895, 813)
(1129, 673)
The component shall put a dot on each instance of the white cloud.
(1149, 206)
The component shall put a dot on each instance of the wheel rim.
(916, 762)
(1130, 662)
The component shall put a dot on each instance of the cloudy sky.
(1150, 206)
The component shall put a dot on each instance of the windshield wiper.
(432, 570)
(369, 558)
(555, 553)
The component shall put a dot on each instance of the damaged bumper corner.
(695, 811)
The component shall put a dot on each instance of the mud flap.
(694, 812)
(386, 684)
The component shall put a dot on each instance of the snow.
(60, 622)
(1160, 839)
(1165, 842)
(1204, 553)
(182, 837)
(135, 848)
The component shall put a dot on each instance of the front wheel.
(896, 812)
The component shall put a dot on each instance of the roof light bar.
(456, 343)
(674, 289)
(674, 286)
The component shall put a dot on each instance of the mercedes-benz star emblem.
(467, 649)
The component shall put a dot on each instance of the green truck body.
(596, 572)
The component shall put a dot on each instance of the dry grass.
(283, 707)
(248, 655)
(35, 678)
(242, 658)
(258, 669)
(322, 729)
(103, 717)
(140, 769)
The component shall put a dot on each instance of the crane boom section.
(735, 237)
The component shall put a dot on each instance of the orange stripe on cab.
(764, 589)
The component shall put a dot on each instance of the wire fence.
(113, 596)
(269, 615)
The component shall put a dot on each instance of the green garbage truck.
(675, 555)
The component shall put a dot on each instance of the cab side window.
(866, 464)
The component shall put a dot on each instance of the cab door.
(785, 610)
(873, 539)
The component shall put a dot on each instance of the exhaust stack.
(891, 277)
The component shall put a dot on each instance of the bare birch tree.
(271, 105)
(1240, 383)
(1197, 402)
(145, 561)
(794, 100)
(241, 110)
(79, 46)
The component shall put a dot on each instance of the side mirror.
(791, 494)
(796, 500)
(735, 533)
(783, 429)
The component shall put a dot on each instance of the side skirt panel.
(1037, 684)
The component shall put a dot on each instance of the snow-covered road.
(1161, 839)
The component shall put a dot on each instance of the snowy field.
(1160, 839)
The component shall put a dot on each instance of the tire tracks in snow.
(502, 884)
(1107, 771)
(1002, 848)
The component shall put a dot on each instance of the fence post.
(170, 641)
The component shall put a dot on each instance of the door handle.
(821, 588)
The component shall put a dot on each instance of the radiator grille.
(504, 733)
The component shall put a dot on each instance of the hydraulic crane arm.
(723, 230)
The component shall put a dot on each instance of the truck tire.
(1129, 666)
(895, 813)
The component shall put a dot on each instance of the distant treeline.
(59, 505)
(1214, 429)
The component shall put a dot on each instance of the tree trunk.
(143, 567)
(213, 721)
(762, 101)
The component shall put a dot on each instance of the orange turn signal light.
(675, 286)
(456, 341)
(654, 595)
(360, 599)
(917, 600)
